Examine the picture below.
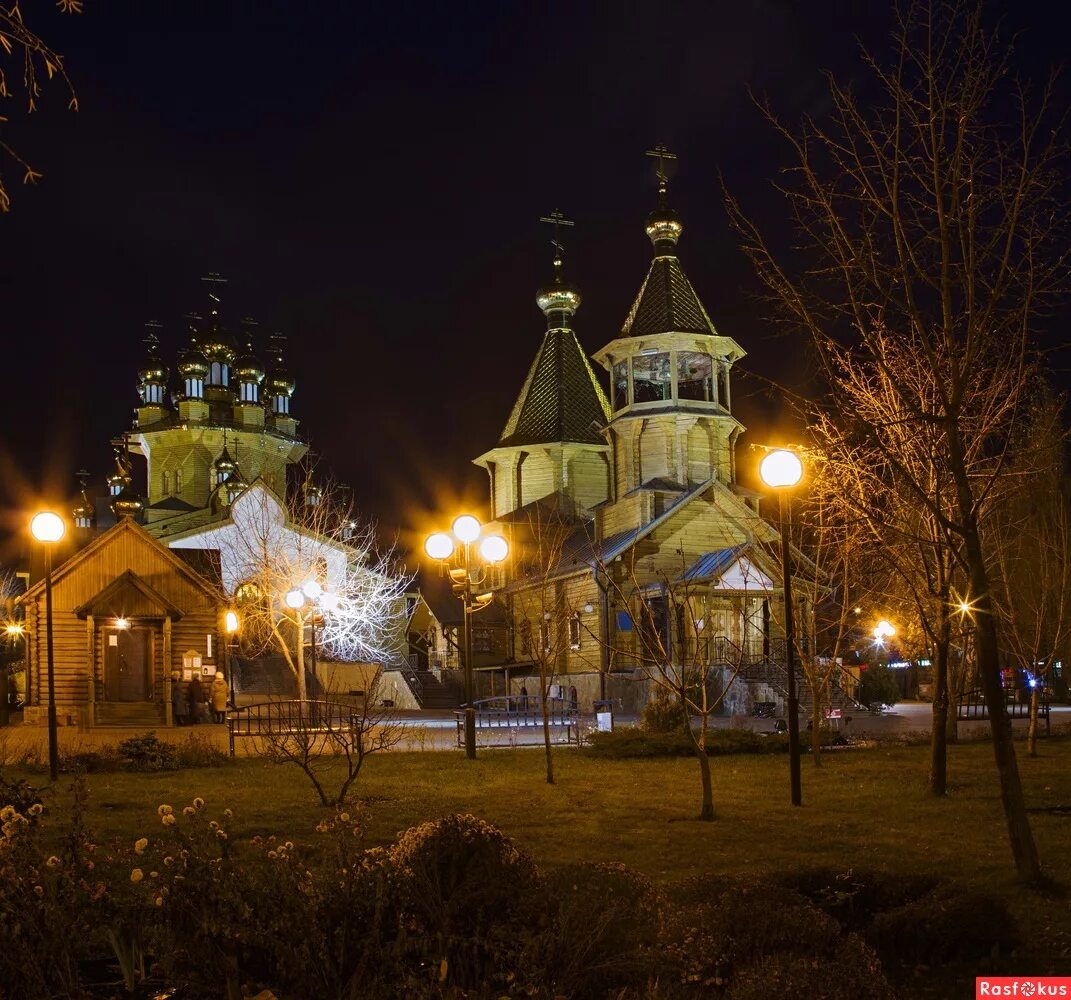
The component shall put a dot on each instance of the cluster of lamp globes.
(464, 532)
(311, 592)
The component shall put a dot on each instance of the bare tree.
(670, 646)
(930, 217)
(32, 59)
(319, 738)
(279, 544)
(1030, 537)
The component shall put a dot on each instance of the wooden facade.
(125, 612)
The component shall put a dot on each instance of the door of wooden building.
(126, 664)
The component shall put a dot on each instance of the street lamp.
(781, 470)
(882, 631)
(48, 529)
(467, 564)
(312, 592)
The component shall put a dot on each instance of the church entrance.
(126, 664)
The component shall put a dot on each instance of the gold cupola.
(83, 514)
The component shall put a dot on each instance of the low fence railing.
(522, 712)
(291, 718)
(972, 705)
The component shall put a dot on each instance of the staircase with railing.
(764, 663)
(428, 690)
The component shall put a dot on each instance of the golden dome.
(192, 363)
(559, 296)
(247, 368)
(225, 464)
(664, 228)
(127, 503)
(279, 381)
(217, 344)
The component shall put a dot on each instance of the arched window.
(178, 480)
(165, 483)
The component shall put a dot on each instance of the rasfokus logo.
(1030, 987)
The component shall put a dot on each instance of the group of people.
(190, 703)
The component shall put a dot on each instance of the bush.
(878, 684)
(854, 898)
(19, 794)
(147, 753)
(950, 923)
(197, 751)
(663, 715)
(627, 743)
(852, 974)
(599, 933)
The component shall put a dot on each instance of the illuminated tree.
(931, 238)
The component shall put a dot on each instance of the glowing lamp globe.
(329, 602)
(466, 529)
(781, 468)
(312, 589)
(883, 630)
(439, 546)
(494, 548)
(47, 527)
(231, 620)
(295, 598)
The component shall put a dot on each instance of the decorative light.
(466, 529)
(781, 468)
(964, 608)
(439, 546)
(312, 589)
(883, 630)
(13, 628)
(295, 598)
(46, 526)
(328, 601)
(231, 620)
(494, 548)
(122, 623)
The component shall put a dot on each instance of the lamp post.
(310, 592)
(781, 470)
(48, 529)
(295, 601)
(468, 571)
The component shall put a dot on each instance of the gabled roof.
(121, 595)
(561, 401)
(126, 524)
(712, 564)
(667, 303)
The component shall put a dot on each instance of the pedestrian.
(220, 692)
(524, 698)
(195, 698)
(178, 699)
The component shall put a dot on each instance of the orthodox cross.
(662, 154)
(556, 219)
(214, 281)
(276, 347)
(83, 478)
(250, 326)
(152, 338)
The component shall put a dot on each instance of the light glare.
(439, 546)
(232, 622)
(295, 598)
(312, 589)
(781, 468)
(494, 548)
(466, 529)
(46, 526)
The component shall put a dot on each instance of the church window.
(248, 391)
(282, 404)
(695, 376)
(165, 484)
(574, 632)
(178, 480)
(219, 374)
(620, 385)
(651, 378)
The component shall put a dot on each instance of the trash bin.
(604, 716)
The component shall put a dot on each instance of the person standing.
(219, 693)
(195, 698)
(178, 700)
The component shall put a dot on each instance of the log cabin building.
(127, 613)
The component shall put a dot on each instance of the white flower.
(140, 845)
(164, 810)
(198, 803)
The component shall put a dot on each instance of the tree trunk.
(1020, 836)
(706, 814)
(939, 725)
(546, 743)
(816, 724)
(1032, 729)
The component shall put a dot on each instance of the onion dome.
(127, 503)
(279, 383)
(225, 466)
(247, 368)
(217, 343)
(121, 478)
(192, 364)
(664, 226)
(152, 375)
(559, 299)
(83, 513)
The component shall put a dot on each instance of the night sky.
(370, 179)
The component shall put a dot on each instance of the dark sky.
(369, 177)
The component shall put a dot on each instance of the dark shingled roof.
(666, 303)
(561, 401)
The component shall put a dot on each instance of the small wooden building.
(127, 612)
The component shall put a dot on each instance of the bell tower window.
(695, 376)
(165, 483)
(178, 480)
(195, 388)
(281, 404)
(620, 385)
(219, 373)
(651, 378)
(248, 392)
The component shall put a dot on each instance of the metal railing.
(291, 718)
(509, 712)
(971, 705)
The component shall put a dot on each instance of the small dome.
(192, 364)
(153, 370)
(279, 381)
(225, 464)
(664, 228)
(247, 368)
(559, 296)
(127, 503)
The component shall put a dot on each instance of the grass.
(862, 809)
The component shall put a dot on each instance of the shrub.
(197, 751)
(19, 794)
(950, 923)
(852, 974)
(599, 934)
(628, 743)
(878, 683)
(663, 715)
(469, 895)
(853, 898)
(147, 753)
